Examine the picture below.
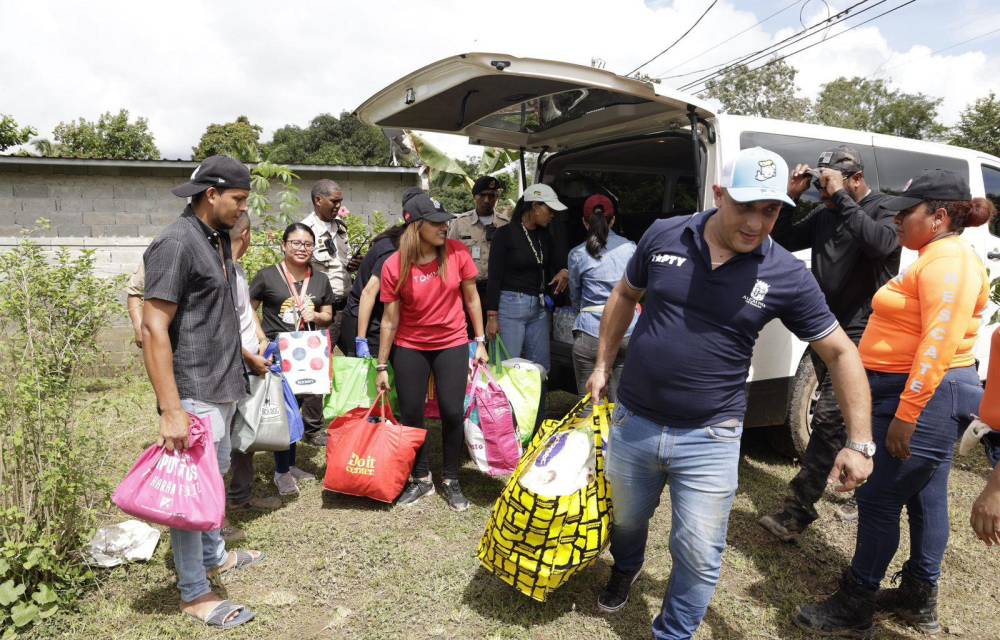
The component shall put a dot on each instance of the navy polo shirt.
(689, 356)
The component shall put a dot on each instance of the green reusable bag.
(523, 386)
(354, 386)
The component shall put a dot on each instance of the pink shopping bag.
(489, 425)
(177, 489)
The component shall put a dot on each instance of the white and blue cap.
(757, 174)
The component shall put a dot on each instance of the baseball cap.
(485, 183)
(933, 184)
(543, 193)
(221, 172)
(418, 205)
(842, 158)
(598, 203)
(757, 174)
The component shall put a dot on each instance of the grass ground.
(341, 567)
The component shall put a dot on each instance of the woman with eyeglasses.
(918, 350)
(295, 298)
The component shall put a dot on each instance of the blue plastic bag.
(296, 428)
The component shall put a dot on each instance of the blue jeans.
(196, 552)
(920, 483)
(701, 465)
(524, 327)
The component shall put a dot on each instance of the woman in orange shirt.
(918, 353)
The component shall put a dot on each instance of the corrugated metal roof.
(28, 161)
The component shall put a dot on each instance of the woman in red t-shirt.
(424, 287)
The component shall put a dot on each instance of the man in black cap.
(475, 227)
(192, 352)
(854, 252)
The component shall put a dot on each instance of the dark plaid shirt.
(183, 266)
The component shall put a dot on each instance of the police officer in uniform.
(475, 228)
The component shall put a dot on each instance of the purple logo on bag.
(551, 450)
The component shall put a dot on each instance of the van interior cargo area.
(647, 178)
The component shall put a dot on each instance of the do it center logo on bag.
(361, 466)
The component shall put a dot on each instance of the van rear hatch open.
(525, 103)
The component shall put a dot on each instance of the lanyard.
(539, 258)
(298, 296)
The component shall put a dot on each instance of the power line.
(683, 35)
(851, 28)
(781, 44)
(727, 40)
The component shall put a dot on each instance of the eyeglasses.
(301, 244)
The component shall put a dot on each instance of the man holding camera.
(855, 251)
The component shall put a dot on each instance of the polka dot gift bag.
(305, 361)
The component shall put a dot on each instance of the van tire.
(801, 400)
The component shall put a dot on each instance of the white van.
(654, 151)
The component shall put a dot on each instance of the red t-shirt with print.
(431, 309)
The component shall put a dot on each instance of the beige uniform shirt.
(472, 232)
(136, 285)
(333, 265)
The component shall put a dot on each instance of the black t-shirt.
(270, 287)
(514, 266)
(370, 266)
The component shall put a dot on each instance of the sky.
(186, 64)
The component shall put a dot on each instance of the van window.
(897, 167)
(991, 180)
(796, 150)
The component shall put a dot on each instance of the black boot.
(848, 613)
(914, 601)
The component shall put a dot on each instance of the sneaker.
(782, 526)
(615, 594)
(848, 510)
(316, 439)
(453, 495)
(286, 484)
(256, 503)
(415, 490)
(300, 475)
(233, 534)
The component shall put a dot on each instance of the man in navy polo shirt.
(711, 282)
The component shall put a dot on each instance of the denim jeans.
(920, 483)
(196, 552)
(524, 327)
(585, 356)
(701, 466)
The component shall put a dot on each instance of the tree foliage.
(871, 105)
(329, 140)
(767, 92)
(979, 126)
(113, 136)
(239, 139)
(11, 134)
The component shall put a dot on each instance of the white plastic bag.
(128, 541)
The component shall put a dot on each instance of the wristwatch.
(867, 449)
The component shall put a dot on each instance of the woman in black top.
(359, 335)
(523, 262)
(295, 298)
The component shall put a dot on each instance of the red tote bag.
(372, 456)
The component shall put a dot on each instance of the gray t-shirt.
(184, 266)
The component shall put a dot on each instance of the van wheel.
(801, 402)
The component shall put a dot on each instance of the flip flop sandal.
(217, 619)
(243, 559)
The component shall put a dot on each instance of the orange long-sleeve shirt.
(989, 406)
(924, 321)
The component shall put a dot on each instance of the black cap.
(485, 183)
(221, 172)
(933, 184)
(842, 158)
(417, 205)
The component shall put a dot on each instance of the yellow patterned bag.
(535, 543)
